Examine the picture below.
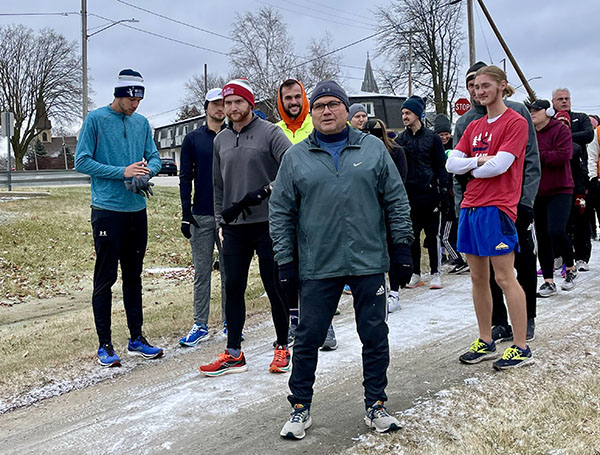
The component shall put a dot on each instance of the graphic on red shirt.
(508, 133)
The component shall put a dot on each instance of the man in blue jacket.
(117, 150)
(322, 183)
(198, 222)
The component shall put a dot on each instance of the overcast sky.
(552, 39)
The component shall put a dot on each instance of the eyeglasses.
(332, 105)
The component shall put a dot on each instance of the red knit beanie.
(241, 88)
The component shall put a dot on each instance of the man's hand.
(400, 256)
(288, 278)
(232, 213)
(140, 185)
(256, 197)
(445, 204)
(481, 160)
(187, 220)
(221, 239)
(136, 169)
(580, 203)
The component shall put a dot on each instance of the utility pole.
(509, 54)
(84, 65)
(471, 28)
(205, 79)
(409, 64)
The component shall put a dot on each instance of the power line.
(314, 17)
(164, 37)
(322, 12)
(41, 14)
(334, 9)
(175, 20)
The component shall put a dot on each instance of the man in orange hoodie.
(292, 104)
(297, 124)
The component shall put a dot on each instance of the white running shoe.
(393, 303)
(569, 283)
(436, 281)
(379, 419)
(415, 281)
(582, 266)
(299, 422)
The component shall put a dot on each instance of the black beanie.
(129, 85)
(471, 71)
(442, 124)
(329, 88)
(416, 105)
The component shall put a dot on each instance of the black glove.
(233, 212)
(401, 257)
(187, 219)
(140, 185)
(256, 197)
(524, 215)
(289, 279)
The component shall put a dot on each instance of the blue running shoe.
(479, 351)
(107, 356)
(141, 347)
(347, 290)
(514, 357)
(198, 333)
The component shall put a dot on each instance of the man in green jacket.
(322, 184)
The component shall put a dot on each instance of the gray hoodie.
(244, 161)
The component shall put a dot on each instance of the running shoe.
(141, 347)
(436, 281)
(463, 267)
(225, 364)
(347, 290)
(514, 357)
(547, 290)
(330, 343)
(393, 303)
(198, 333)
(570, 278)
(378, 418)
(502, 333)
(479, 351)
(415, 281)
(299, 422)
(281, 360)
(582, 266)
(107, 356)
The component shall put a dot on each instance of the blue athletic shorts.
(486, 231)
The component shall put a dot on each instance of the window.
(44, 137)
(370, 109)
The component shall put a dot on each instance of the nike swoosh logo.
(357, 164)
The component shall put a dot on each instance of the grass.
(46, 266)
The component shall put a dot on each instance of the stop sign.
(461, 106)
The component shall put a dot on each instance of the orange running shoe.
(225, 364)
(281, 360)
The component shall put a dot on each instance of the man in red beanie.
(246, 158)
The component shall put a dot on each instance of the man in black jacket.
(426, 181)
(582, 133)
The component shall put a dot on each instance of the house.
(168, 138)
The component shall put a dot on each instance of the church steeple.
(369, 83)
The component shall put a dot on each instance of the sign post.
(462, 106)
(7, 130)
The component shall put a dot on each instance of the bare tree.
(38, 72)
(195, 91)
(262, 53)
(322, 65)
(432, 29)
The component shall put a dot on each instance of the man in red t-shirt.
(492, 152)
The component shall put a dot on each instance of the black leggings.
(551, 218)
(239, 244)
(119, 238)
(428, 220)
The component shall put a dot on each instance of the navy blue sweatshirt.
(196, 165)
